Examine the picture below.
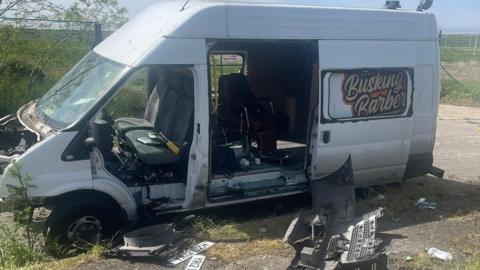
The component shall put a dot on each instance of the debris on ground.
(440, 254)
(149, 241)
(379, 197)
(422, 203)
(332, 238)
(408, 259)
(187, 254)
(159, 240)
(195, 263)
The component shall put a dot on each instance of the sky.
(451, 14)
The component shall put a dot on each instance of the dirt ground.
(257, 229)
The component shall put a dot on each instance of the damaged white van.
(216, 103)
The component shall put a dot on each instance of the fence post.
(476, 46)
(97, 38)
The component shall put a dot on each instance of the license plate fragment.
(195, 263)
(200, 247)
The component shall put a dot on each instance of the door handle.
(326, 136)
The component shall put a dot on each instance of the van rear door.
(365, 109)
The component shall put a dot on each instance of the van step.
(304, 187)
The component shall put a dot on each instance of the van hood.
(19, 132)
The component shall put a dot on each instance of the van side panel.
(425, 102)
(379, 147)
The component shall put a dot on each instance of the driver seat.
(125, 124)
(174, 119)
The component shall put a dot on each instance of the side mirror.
(102, 135)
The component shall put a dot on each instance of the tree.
(102, 11)
(38, 9)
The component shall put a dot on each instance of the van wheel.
(83, 223)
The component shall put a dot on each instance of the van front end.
(16, 137)
(47, 141)
(36, 149)
(79, 211)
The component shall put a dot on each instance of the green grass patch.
(451, 54)
(464, 93)
(14, 248)
(471, 263)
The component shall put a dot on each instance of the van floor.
(289, 156)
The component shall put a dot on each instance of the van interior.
(153, 109)
(261, 102)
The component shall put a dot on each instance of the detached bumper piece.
(332, 237)
(317, 248)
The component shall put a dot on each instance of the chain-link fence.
(460, 63)
(34, 54)
(466, 42)
(460, 47)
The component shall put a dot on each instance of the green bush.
(20, 243)
(15, 251)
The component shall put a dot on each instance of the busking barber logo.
(375, 93)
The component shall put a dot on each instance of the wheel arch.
(89, 193)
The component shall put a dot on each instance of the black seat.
(237, 104)
(174, 119)
(240, 115)
(124, 124)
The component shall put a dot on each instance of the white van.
(214, 103)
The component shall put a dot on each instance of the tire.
(83, 222)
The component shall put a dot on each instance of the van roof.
(212, 19)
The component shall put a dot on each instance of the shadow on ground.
(454, 199)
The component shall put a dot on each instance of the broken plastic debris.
(408, 258)
(422, 203)
(439, 254)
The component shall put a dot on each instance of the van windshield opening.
(78, 91)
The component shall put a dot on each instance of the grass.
(469, 245)
(452, 54)
(400, 199)
(467, 93)
(230, 252)
(472, 263)
(15, 251)
(422, 261)
(93, 255)
(237, 240)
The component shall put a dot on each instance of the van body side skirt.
(418, 165)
